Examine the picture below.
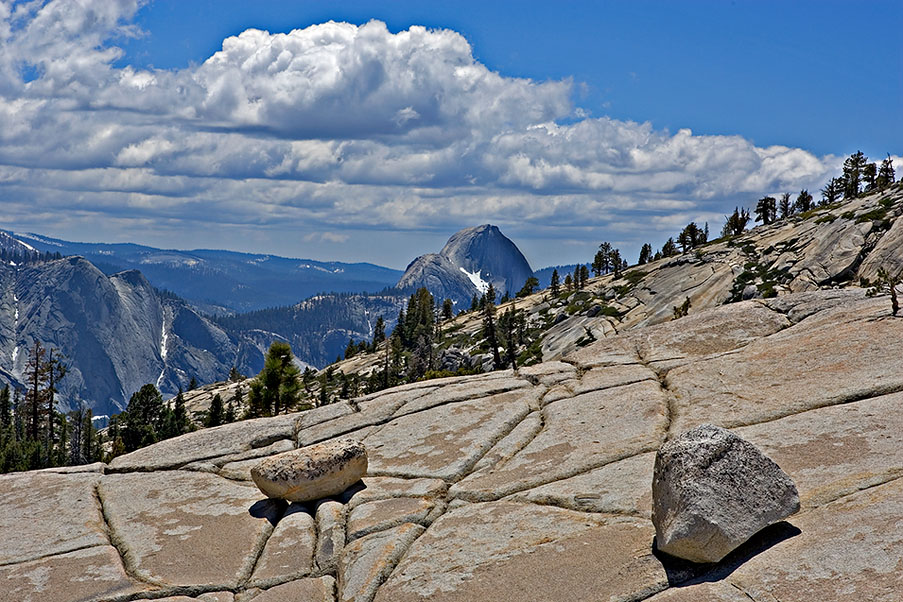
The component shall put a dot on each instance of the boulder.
(312, 472)
(712, 491)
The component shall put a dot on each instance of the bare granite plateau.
(519, 485)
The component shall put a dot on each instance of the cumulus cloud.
(339, 127)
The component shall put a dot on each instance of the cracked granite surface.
(530, 485)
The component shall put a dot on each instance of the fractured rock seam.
(248, 569)
(118, 544)
(395, 414)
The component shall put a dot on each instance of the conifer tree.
(448, 308)
(869, 177)
(277, 387)
(6, 409)
(350, 349)
(803, 201)
(55, 370)
(691, 236)
(143, 421)
(229, 414)
(554, 284)
(584, 275)
(886, 173)
(669, 249)
(832, 191)
(645, 254)
(379, 332)
(735, 223)
(853, 168)
(766, 210)
(785, 207)
(489, 333)
(529, 286)
(215, 413)
(35, 369)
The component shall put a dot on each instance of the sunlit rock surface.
(531, 485)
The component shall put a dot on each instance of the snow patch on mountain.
(478, 282)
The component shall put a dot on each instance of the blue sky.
(823, 75)
(176, 124)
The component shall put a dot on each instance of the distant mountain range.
(222, 281)
(178, 316)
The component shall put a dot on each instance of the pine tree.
(529, 286)
(853, 168)
(785, 207)
(234, 375)
(379, 332)
(669, 249)
(766, 210)
(892, 282)
(870, 176)
(350, 349)
(277, 387)
(55, 370)
(192, 384)
(448, 309)
(215, 413)
(6, 409)
(35, 369)
(691, 236)
(229, 415)
(832, 191)
(143, 420)
(803, 201)
(735, 223)
(554, 284)
(490, 295)
(886, 173)
(490, 335)
(616, 262)
(645, 254)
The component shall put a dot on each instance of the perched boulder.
(712, 490)
(312, 472)
(454, 359)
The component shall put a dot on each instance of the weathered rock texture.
(712, 491)
(529, 485)
(312, 473)
(473, 255)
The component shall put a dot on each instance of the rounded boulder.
(312, 472)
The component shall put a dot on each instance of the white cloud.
(338, 127)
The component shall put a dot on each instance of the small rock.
(750, 291)
(712, 490)
(453, 359)
(312, 472)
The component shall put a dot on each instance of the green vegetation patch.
(872, 216)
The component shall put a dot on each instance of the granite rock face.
(470, 260)
(712, 491)
(532, 484)
(312, 473)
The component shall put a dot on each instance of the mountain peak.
(472, 259)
